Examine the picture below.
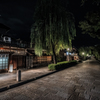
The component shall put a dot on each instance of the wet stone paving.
(80, 82)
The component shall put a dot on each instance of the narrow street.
(80, 82)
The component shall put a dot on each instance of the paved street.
(80, 82)
(10, 78)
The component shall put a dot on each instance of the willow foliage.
(53, 26)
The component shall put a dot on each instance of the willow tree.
(53, 28)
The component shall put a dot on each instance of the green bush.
(51, 66)
(61, 65)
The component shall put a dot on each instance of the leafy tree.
(92, 50)
(91, 24)
(97, 2)
(53, 28)
(84, 51)
(96, 51)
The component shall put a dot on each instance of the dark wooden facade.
(20, 58)
(14, 53)
(18, 61)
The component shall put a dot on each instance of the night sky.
(18, 15)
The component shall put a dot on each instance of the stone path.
(80, 82)
(10, 78)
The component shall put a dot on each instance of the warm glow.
(83, 53)
(11, 68)
(1, 48)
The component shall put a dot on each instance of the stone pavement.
(80, 82)
(7, 79)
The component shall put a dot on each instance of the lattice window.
(4, 61)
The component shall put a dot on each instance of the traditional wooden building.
(12, 58)
(16, 54)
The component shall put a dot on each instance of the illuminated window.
(4, 61)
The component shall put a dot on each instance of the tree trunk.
(54, 54)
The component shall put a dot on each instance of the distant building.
(71, 54)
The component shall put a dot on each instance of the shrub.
(61, 65)
(51, 66)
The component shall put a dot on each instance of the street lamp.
(68, 54)
(82, 53)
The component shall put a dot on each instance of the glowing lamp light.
(83, 53)
(1, 48)
(70, 53)
(11, 68)
(66, 53)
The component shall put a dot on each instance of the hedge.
(62, 65)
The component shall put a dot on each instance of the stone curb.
(24, 82)
(3, 88)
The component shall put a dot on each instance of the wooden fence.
(36, 61)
